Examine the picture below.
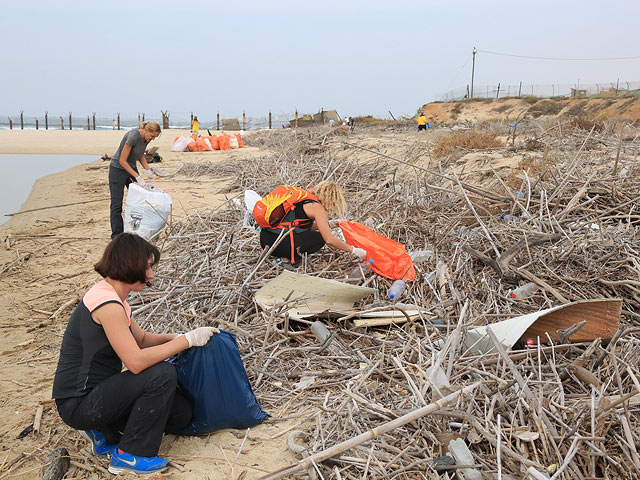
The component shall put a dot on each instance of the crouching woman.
(122, 413)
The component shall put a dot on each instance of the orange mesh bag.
(239, 137)
(271, 210)
(224, 142)
(193, 147)
(203, 145)
(213, 140)
(389, 257)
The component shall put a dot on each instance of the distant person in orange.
(422, 122)
(195, 125)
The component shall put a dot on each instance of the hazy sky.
(360, 57)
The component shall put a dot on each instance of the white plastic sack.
(250, 200)
(146, 212)
(180, 145)
(233, 142)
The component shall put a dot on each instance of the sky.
(359, 57)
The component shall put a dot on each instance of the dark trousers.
(118, 180)
(142, 407)
(306, 241)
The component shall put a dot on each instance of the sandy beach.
(46, 265)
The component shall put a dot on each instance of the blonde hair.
(153, 127)
(331, 197)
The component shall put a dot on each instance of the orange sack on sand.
(389, 257)
(224, 142)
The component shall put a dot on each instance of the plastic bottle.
(524, 291)
(365, 266)
(396, 289)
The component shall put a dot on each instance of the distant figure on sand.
(195, 125)
(122, 413)
(123, 169)
(309, 220)
(422, 122)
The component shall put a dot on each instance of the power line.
(557, 58)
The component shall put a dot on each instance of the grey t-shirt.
(138, 146)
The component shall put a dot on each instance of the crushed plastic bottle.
(365, 266)
(419, 256)
(396, 289)
(433, 276)
(524, 291)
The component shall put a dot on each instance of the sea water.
(18, 173)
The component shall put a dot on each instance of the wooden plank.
(602, 317)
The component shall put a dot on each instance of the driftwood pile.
(565, 217)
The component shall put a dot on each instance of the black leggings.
(118, 180)
(307, 241)
(142, 406)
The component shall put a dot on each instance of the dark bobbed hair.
(126, 258)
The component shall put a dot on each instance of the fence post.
(269, 119)
(94, 120)
(37, 124)
(10, 124)
(520, 90)
(244, 121)
(88, 123)
(498, 91)
(142, 117)
(70, 122)
(296, 118)
(118, 120)
(139, 124)
(21, 120)
(61, 123)
(46, 120)
(218, 121)
(617, 85)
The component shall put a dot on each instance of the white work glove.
(140, 181)
(200, 336)
(334, 223)
(157, 172)
(361, 253)
(147, 173)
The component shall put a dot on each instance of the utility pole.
(473, 70)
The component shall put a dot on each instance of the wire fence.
(565, 90)
(177, 120)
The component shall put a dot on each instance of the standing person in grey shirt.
(123, 169)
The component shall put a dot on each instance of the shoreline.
(69, 142)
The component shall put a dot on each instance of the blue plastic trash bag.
(216, 382)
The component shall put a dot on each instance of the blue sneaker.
(99, 444)
(125, 463)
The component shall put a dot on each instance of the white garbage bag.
(181, 144)
(146, 212)
(250, 200)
